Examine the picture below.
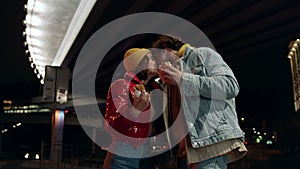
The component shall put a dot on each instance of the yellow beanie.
(133, 57)
(182, 50)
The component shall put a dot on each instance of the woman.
(128, 112)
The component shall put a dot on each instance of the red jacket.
(118, 102)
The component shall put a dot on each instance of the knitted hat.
(182, 50)
(133, 57)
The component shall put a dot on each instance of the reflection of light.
(60, 115)
(7, 101)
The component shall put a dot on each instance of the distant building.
(10, 107)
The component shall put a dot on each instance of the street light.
(294, 57)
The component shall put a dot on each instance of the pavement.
(19, 164)
(35, 164)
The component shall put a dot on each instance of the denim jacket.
(208, 90)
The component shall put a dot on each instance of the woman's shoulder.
(119, 85)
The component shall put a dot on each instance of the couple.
(200, 89)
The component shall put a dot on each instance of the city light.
(269, 142)
(37, 156)
(14, 109)
(26, 155)
(4, 131)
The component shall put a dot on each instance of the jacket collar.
(130, 76)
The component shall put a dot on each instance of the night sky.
(17, 77)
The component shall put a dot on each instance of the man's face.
(166, 55)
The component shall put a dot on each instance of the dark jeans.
(219, 162)
(166, 161)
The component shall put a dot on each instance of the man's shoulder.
(203, 49)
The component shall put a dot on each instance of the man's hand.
(169, 74)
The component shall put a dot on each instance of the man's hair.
(165, 41)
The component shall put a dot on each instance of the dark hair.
(165, 41)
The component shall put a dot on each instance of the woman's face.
(148, 65)
(151, 65)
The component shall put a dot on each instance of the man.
(208, 88)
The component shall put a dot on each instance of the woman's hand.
(140, 102)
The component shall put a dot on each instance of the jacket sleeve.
(118, 106)
(116, 103)
(207, 75)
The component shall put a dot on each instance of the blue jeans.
(219, 162)
(114, 161)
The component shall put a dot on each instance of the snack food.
(138, 90)
(140, 87)
(168, 63)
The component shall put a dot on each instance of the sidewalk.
(19, 164)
